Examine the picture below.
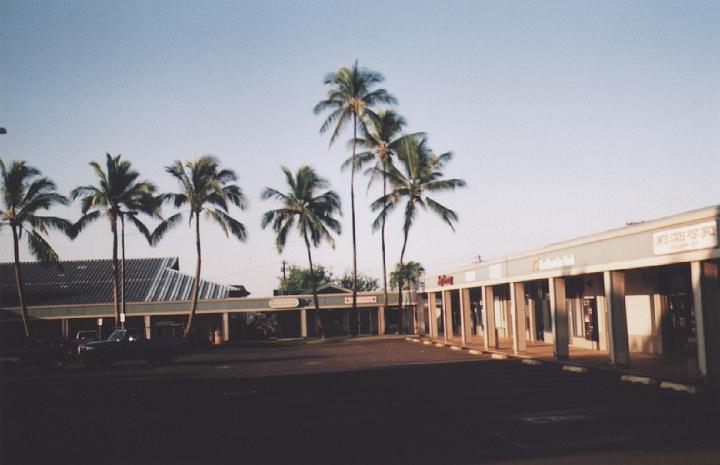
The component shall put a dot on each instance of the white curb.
(574, 369)
(680, 387)
(637, 379)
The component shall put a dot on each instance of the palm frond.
(445, 213)
(40, 249)
(164, 226)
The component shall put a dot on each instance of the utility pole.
(284, 270)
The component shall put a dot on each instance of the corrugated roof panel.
(90, 281)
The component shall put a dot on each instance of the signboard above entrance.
(285, 302)
(693, 237)
(543, 264)
(445, 280)
(363, 299)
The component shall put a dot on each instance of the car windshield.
(117, 335)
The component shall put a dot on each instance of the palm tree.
(205, 188)
(25, 192)
(409, 273)
(419, 176)
(117, 196)
(313, 212)
(351, 97)
(381, 143)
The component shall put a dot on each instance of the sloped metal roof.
(90, 282)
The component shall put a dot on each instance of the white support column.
(147, 323)
(696, 279)
(226, 326)
(708, 324)
(488, 298)
(65, 329)
(558, 311)
(303, 323)
(466, 321)
(532, 328)
(432, 315)
(447, 315)
(420, 309)
(617, 317)
(517, 303)
(381, 319)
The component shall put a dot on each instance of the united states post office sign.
(692, 237)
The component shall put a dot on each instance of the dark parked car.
(125, 345)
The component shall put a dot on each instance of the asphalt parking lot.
(364, 401)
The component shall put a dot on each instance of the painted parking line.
(499, 356)
(474, 352)
(427, 343)
(455, 348)
(531, 361)
(439, 344)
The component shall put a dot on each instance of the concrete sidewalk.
(669, 371)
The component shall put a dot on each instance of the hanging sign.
(285, 302)
(363, 299)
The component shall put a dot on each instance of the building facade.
(648, 288)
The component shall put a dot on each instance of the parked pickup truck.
(124, 345)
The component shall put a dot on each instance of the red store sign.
(444, 280)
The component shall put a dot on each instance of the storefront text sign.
(363, 299)
(543, 264)
(692, 237)
(286, 302)
(495, 271)
(444, 280)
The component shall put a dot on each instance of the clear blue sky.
(565, 118)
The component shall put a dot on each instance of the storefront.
(650, 288)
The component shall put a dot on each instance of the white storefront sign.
(495, 271)
(692, 237)
(543, 264)
(286, 302)
(363, 299)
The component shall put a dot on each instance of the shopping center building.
(650, 288)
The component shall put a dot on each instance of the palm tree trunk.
(122, 262)
(353, 311)
(113, 226)
(196, 284)
(382, 236)
(19, 283)
(317, 320)
(400, 278)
